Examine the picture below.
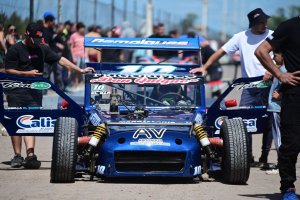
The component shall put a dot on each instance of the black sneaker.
(17, 161)
(31, 162)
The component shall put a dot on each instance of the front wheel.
(236, 151)
(64, 152)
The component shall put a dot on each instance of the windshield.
(151, 90)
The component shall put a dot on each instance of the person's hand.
(198, 70)
(276, 95)
(290, 78)
(87, 70)
(33, 73)
(267, 77)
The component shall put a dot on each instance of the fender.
(254, 117)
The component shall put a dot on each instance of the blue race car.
(141, 120)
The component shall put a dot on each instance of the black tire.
(64, 150)
(236, 151)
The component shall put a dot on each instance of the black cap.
(256, 16)
(35, 31)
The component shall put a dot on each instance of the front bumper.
(177, 154)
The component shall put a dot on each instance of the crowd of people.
(63, 54)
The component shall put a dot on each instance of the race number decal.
(140, 69)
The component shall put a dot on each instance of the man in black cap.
(286, 39)
(246, 42)
(27, 58)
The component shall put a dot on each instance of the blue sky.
(237, 10)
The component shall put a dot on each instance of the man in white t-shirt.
(246, 42)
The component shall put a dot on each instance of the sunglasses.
(12, 29)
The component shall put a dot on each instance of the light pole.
(205, 16)
(31, 3)
(112, 13)
(58, 11)
(224, 25)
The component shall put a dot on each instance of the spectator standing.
(113, 55)
(27, 58)
(2, 46)
(173, 34)
(160, 33)
(77, 48)
(274, 106)
(10, 36)
(60, 40)
(67, 29)
(49, 37)
(92, 53)
(98, 29)
(127, 32)
(286, 40)
(246, 42)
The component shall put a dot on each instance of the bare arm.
(32, 73)
(69, 65)
(216, 56)
(262, 53)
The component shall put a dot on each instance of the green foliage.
(282, 15)
(188, 22)
(14, 19)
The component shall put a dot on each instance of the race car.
(140, 120)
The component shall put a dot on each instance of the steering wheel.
(172, 98)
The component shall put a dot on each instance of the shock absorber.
(99, 133)
(203, 139)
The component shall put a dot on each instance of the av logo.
(149, 133)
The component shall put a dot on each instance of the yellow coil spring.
(99, 132)
(199, 131)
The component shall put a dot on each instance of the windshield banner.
(142, 80)
(191, 44)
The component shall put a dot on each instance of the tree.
(282, 15)
(188, 22)
(3, 18)
(18, 22)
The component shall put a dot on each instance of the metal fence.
(91, 12)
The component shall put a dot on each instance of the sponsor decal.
(20, 84)
(251, 124)
(95, 119)
(219, 121)
(28, 124)
(40, 85)
(100, 169)
(257, 84)
(140, 42)
(148, 135)
(150, 142)
(197, 170)
(147, 121)
(162, 80)
(140, 69)
(149, 132)
(99, 89)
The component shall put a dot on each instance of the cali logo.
(27, 122)
(149, 133)
(140, 69)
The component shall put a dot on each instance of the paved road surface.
(34, 184)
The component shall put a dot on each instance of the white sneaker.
(272, 172)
